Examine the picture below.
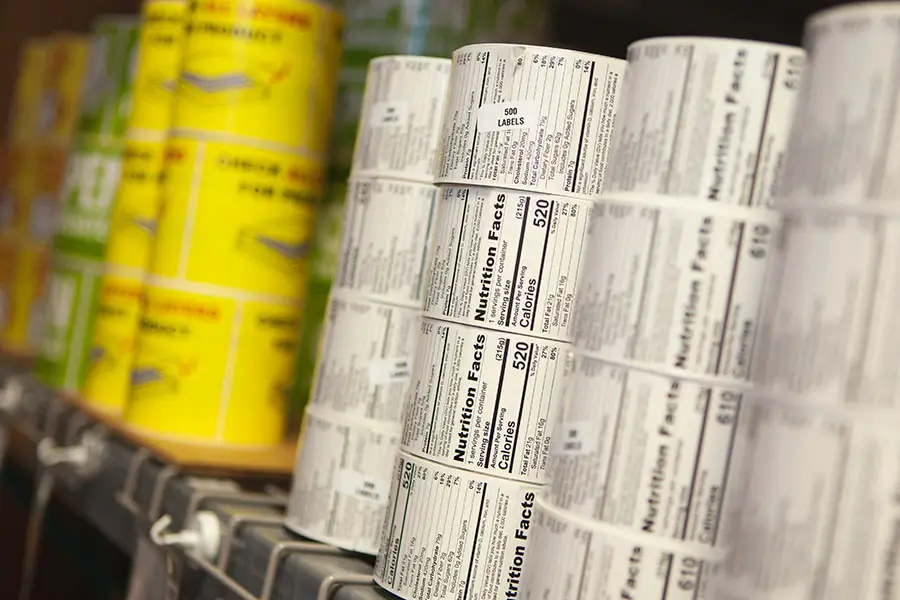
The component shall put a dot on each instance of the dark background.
(601, 26)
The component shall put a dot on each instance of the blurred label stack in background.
(665, 323)
(92, 175)
(133, 220)
(244, 167)
(45, 111)
(353, 419)
(812, 510)
(524, 143)
(376, 28)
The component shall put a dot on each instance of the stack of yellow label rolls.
(244, 165)
(525, 139)
(132, 224)
(353, 419)
(47, 103)
(669, 296)
(92, 176)
(379, 28)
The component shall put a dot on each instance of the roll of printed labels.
(136, 206)
(92, 176)
(243, 169)
(371, 328)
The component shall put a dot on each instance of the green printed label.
(89, 188)
(72, 295)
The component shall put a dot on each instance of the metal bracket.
(125, 496)
(284, 549)
(234, 524)
(250, 499)
(220, 576)
(331, 583)
(166, 474)
(75, 425)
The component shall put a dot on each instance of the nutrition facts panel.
(507, 260)
(529, 118)
(454, 534)
(483, 400)
(572, 561)
(674, 287)
(649, 452)
(828, 327)
(705, 118)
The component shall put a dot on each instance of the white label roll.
(813, 510)
(705, 118)
(529, 118)
(674, 286)
(451, 534)
(365, 358)
(572, 559)
(401, 118)
(386, 239)
(341, 481)
(844, 146)
(644, 451)
(507, 260)
(484, 400)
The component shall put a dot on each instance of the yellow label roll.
(161, 45)
(26, 303)
(261, 70)
(66, 65)
(29, 87)
(212, 369)
(236, 217)
(8, 250)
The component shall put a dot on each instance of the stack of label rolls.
(92, 175)
(352, 423)
(814, 509)
(132, 221)
(666, 319)
(244, 166)
(46, 102)
(524, 147)
(376, 28)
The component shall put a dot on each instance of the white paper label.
(658, 456)
(563, 145)
(673, 288)
(401, 118)
(385, 114)
(572, 561)
(829, 332)
(507, 260)
(359, 340)
(341, 480)
(706, 119)
(483, 400)
(453, 534)
(386, 240)
(813, 511)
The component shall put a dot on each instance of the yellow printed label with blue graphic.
(108, 380)
(136, 207)
(261, 69)
(236, 217)
(212, 369)
(161, 45)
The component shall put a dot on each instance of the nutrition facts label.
(843, 148)
(675, 287)
(507, 260)
(829, 329)
(384, 248)
(529, 118)
(341, 482)
(365, 359)
(484, 400)
(705, 118)
(814, 512)
(572, 561)
(653, 454)
(454, 534)
(401, 118)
